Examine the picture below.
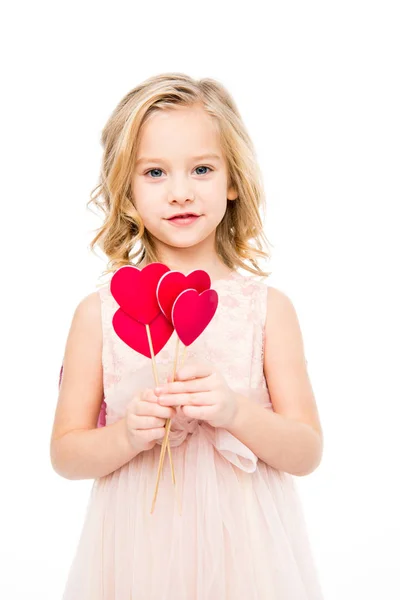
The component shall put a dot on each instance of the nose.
(180, 191)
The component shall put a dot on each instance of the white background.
(317, 84)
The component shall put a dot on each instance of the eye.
(152, 170)
(203, 167)
(160, 170)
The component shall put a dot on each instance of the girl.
(180, 185)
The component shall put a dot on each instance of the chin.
(176, 243)
(183, 240)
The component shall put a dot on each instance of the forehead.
(179, 131)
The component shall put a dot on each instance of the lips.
(183, 216)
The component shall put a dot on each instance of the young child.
(180, 185)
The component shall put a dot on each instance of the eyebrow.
(144, 159)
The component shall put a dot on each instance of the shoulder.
(284, 338)
(276, 305)
(279, 303)
(87, 314)
(281, 317)
(89, 307)
(262, 285)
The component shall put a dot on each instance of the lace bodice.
(233, 342)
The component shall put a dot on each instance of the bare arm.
(289, 439)
(93, 453)
(80, 450)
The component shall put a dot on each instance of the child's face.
(177, 182)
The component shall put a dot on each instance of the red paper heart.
(192, 312)
(174, 283)
(134, 334)
(135, 290)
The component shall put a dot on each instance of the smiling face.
(181, 170)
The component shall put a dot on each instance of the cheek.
(216, 200)
(219, 209)
(147, 216)
(147, 206)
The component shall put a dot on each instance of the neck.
(184, 260)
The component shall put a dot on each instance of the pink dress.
(241, 534)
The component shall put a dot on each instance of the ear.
(232, 194)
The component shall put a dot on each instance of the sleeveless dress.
(241, 534)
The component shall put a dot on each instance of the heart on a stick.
(173, 283)
(134, 334)
(192, 312)
(134, 290)
(139, 321)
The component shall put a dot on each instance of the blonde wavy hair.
(240, 239)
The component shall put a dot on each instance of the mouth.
(183, 215)
(184, 218)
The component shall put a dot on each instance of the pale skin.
(288, 438)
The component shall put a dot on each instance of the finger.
(153, 409)
(196, 398)
(202, 413)
(203, 384)
(137, 422)
(148, 395)
(194, 370)
(151, 434)
(138, 399)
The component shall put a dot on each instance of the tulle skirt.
(240, 534)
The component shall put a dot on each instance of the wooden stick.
(155, 374)
(184, 354)
(166, 436)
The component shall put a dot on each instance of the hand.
(202, 392)
(145, 420)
